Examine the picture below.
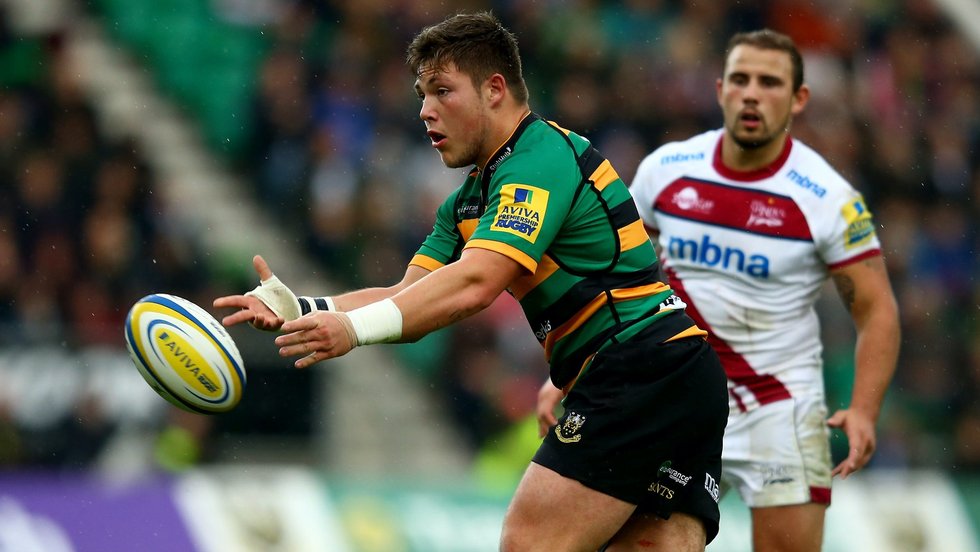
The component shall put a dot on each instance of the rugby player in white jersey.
(751, 223)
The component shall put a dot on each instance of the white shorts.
(778, 454)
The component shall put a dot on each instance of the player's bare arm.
(439, 299)
(359, 298)
(455, 291)
(866, 291)
(255, 308)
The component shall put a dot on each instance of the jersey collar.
(503, 152)
(756, 174)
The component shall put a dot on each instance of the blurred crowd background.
(310, 101)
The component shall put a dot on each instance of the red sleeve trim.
(866, 255)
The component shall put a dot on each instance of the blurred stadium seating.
(309, 105)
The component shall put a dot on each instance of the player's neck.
(742, 159)
(504, 126)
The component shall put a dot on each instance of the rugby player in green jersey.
(633, 463)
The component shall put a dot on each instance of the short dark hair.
(477, 44)
(768, 39)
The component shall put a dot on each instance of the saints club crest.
(568, 431)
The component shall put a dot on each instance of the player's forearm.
(875, 358)
(443, 297)
(355, 299)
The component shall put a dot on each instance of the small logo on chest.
(763, 213)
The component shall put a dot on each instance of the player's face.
(455, 115)
(756, 96)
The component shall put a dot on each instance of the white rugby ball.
(185, 354)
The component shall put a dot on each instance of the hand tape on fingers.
(279, 298)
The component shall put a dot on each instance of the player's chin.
(451, 161)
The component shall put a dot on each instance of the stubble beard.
(465, 159)
(755, 143)
(471, 154)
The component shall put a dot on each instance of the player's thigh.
(552, 513)
(795, 528)
(644, 532)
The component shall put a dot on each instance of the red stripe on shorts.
(820, 495)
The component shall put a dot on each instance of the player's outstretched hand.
(548, 398)
(317, 336)
(860, 432)
(251, 308)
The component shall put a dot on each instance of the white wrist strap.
(279, 298)
(379, 322)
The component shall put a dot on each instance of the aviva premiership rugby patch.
(521, 211)
(860, 227)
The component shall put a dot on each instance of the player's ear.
(496, 88)
(800, 99)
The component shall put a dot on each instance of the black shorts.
(645, 423)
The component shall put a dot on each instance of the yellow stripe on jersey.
(555, 125)
(693, 330)
(604, 175)
(525, 284)
(426, 262)
(632, 235)
(586, 312)
(640, 291)
(506, 250)
(467, 227)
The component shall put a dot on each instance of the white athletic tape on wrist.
(379, 322)
(279, 298)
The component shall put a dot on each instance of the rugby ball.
(185, 354)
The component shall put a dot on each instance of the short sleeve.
(527, 205)
(849, 232)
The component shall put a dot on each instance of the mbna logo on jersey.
(521, 211)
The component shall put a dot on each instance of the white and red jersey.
(749, 253)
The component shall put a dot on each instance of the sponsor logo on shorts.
(661, 490)
(775, 474)
(677, 476)
(568, 431)
(711, 486)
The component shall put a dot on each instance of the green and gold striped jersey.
(548, 200)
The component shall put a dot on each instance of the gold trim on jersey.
(467, 227)
(692, 331)
(506, 250)
(632, 235)
(604, 175)
(524, 285)
(426, 262)
(586, 312)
